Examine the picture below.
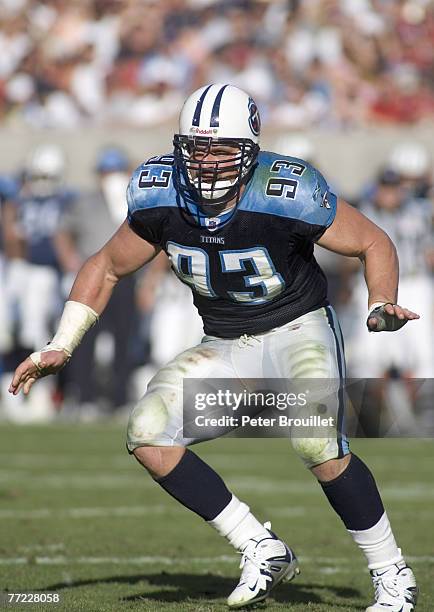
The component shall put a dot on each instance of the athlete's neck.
(217, 209)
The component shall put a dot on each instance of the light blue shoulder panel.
(289, 187)
(151, 185)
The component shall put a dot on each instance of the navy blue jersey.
(39, 219)
(250, 270)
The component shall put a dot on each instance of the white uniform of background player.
(35, 286)
(175, 323)
(409, 225)
(31, 276)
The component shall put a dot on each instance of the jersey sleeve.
(315, 205)
(292, 188)
(143, 218)
(321, 205)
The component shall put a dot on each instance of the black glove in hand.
(385, 321)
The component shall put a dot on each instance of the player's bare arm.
(354, 235)
(123, 254)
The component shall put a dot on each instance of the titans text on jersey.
(251, 268)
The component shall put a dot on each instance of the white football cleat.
(395, 589)
(265, 562)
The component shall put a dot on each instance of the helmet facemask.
(214, 181)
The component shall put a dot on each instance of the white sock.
(237, 524)
(378, 544)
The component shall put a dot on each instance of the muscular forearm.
(381, 270)
(94, 283)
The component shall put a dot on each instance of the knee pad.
(313, 451)
(148, 422)
(310, 450)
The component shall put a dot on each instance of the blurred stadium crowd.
(49, 228)
(343, 63)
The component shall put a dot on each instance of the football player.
(38, 209)
(239, 226)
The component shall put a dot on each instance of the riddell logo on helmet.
(196, 130)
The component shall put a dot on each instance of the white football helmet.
(295, 145)
(410, 160)
(216, 115)
(44, 170)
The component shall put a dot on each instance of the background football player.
(33, 267)
(239, 227)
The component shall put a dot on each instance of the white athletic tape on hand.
(76, 320)
(36, 357)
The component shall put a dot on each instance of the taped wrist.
(76, 320)
(385, 321)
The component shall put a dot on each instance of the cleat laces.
(390, 585)
(252, 567)
(255, 564)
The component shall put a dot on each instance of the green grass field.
(79, 517)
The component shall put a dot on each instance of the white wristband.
(375, 305)
(76, 320)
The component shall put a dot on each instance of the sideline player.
(239, 226)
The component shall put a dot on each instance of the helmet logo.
(254, 119)
(203, 131)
